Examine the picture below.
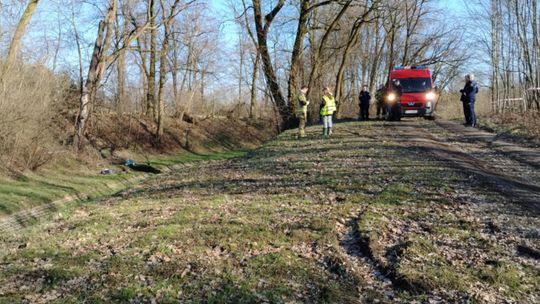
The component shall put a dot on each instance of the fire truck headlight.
(391, 97)
(430, 96)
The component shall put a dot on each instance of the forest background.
(88, 78)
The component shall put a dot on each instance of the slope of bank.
(114, 139)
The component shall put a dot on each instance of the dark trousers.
(381, 109)
(364, 110)
(394, 111)
(470, 115)
(466, 112)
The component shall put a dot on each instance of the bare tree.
(167, 19)
(13, 50)
(351, 41)
(151, 80)
(242, 18)
(101, 58)
(95, 71)
(262, 29)
(513, 47)
(316, 59)
(121, 62)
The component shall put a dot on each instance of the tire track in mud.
(357, 254)
(355, 244)
(522, 190)
(523, 157)
(526, 155)
(362, 261)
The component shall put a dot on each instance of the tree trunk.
(322, 44)
(174, 70)
(151, 92)
(240, 70)
(262, 33)
(296, 58)
(121, 74)
(162, 74)
(13, 50)
(95, 73)
(391, 34)
(495, 19)
(253, 101)
(353, 39)
(144, 71)
(256, 63)
(167, 24)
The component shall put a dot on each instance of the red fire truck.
(414, 96)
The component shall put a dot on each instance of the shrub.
(28, 95)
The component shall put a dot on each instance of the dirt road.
(415, 211)
(498, 186)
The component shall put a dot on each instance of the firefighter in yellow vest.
(328, 107)
(301, 111)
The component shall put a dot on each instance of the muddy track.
(524, 153)
(356, 244)
(468, 151)
(523, 189)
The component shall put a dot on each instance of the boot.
(325, 132)
(329, 131)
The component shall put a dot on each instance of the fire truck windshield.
(415, 85)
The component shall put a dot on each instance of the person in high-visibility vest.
(301, 111)
(328, 107)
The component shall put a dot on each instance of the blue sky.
(46, 17)
(45, 24)
(455, 8)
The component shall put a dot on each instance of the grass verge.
(35, 189)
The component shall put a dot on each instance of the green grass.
(501, 275)
(191, 237)
(34, 189)
(263, 228)
(188, 157)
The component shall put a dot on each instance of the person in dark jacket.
(468, 98)
(365, 98)
(397, 88)
(393, 107)
(379, 100)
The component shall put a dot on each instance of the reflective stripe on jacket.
(301, 103)
(329, 105)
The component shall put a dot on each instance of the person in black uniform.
(364, 98)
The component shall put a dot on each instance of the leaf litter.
(365, 216)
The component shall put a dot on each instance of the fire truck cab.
(418, 96)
